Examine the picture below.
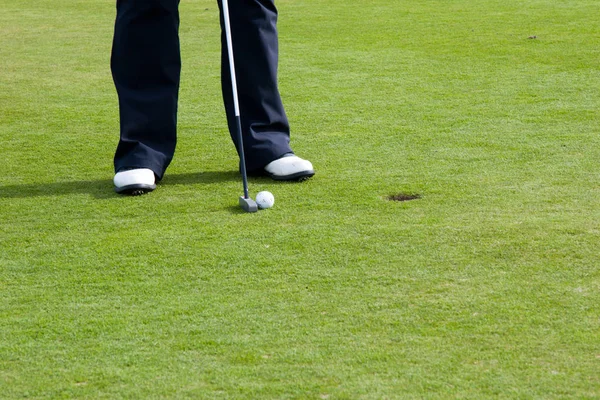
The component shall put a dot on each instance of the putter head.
(248, 204)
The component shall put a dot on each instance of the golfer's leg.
(146, 66)
(264, 124)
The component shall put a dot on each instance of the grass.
(486, 286)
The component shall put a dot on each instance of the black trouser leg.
(265, 126)
(146, 66)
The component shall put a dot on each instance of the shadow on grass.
(103, 188)
(236, 210)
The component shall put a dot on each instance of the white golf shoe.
(290, 168)
(134, 182)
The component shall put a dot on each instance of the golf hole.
(403, 197)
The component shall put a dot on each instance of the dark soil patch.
(403, 197)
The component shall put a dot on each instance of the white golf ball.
(265, 199)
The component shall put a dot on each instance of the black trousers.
(146, 65)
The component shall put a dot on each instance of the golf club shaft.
(236, 105)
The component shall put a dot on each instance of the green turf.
(488, 286)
